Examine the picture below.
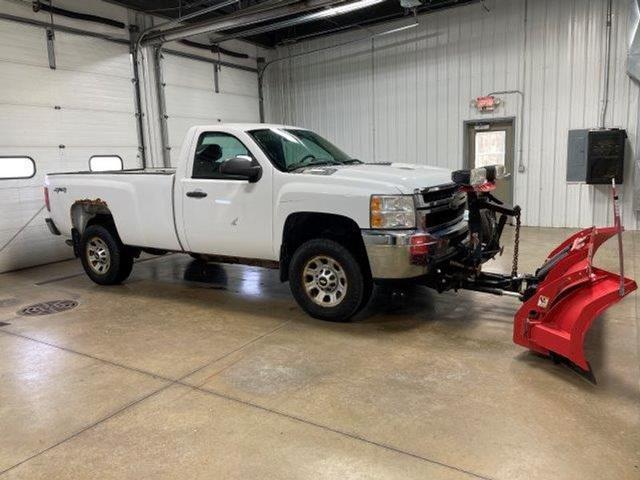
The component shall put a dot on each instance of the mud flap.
(569, 297)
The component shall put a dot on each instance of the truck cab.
(272, 195)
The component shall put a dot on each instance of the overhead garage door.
(59, 118)
(191, 98)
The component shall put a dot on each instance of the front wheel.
(327, 280)
(105, 259)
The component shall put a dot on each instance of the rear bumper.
(391, 255)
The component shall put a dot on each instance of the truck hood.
(405, 177)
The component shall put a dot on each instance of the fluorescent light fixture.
(396, 30)
(349, 7)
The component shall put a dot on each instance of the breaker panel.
(596, 156)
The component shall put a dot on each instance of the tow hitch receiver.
(571, 294)
(561, 299)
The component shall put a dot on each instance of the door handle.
(196, 194)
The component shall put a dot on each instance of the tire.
(488, 225)
(105, 259)
(327, 281)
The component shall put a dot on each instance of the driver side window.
(213, 149)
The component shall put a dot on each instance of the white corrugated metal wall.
(192, 100)
(405, 96)
(60, 118)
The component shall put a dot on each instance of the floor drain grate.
(47, 308)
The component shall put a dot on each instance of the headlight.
(392, 211)
(478, 176)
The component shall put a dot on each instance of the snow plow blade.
(570, 295)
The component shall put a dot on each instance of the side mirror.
(242, 167)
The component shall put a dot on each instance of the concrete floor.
(213, 372)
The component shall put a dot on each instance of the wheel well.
(303, 226)
(91, 212)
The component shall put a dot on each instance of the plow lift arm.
(562, 298)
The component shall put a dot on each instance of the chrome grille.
(434, 194)
(441, 206)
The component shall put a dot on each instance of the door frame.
(466, 147)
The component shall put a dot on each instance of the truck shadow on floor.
(212, 274)
(249, 288)
(389, 304)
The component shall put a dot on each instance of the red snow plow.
(561, 299)
(571, 294)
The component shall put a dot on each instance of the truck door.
(225, 216)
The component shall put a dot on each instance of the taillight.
(46, 198)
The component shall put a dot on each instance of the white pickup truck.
(271, 195)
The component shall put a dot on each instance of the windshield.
(290, 149)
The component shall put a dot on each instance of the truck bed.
(140, 201)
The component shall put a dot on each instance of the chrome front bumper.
(389, 251)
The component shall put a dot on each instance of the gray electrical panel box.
(596, 156)
(577, 156)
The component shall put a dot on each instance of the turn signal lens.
(377, 221)
(376, 203)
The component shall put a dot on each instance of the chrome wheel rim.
(325, 281)
(98, 255)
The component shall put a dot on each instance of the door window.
(213, 149)
(492, 143)
(105, 163)
(491, 148)
(12, 168)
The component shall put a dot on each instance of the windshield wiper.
(352, 160)
(314, 161)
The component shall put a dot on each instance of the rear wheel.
(104, 258)
(327, 281)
